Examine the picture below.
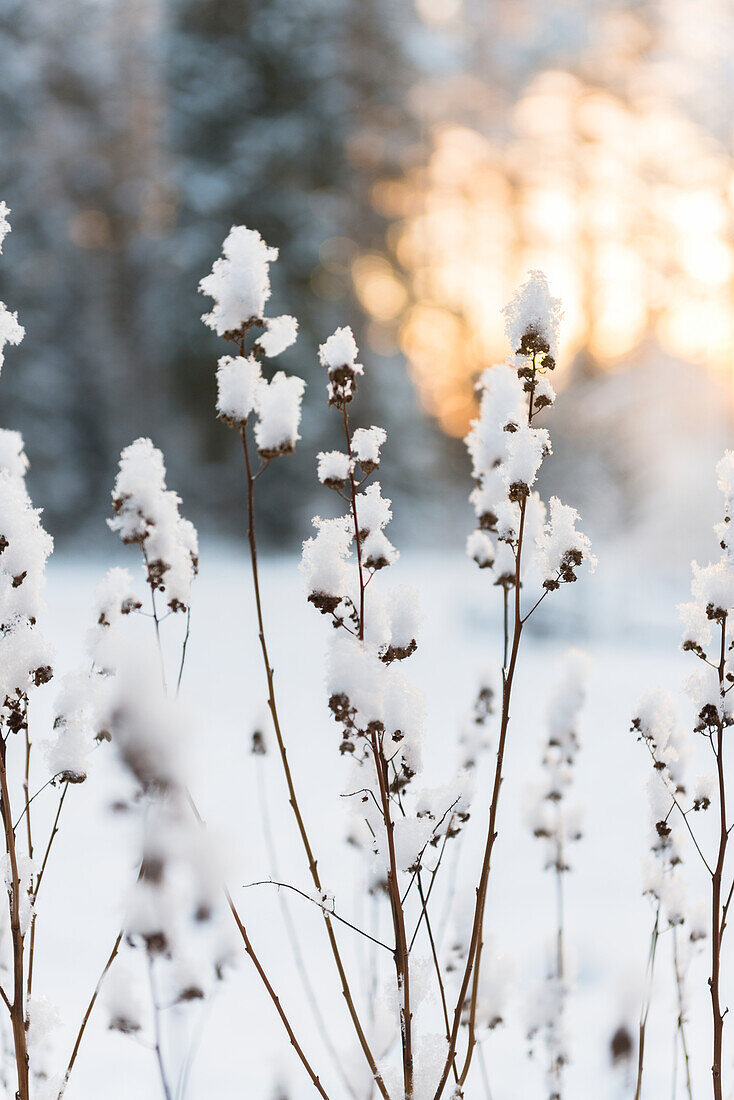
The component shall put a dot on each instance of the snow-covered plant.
(558, 825)
(378, 711)
(528, 551)
(80, 724)
(175, 916)
(658, 726)
(707, 635)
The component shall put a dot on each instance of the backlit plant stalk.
(240, 286)
(507, 451)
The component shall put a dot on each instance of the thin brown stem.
(436, 966)
(293, 936)
(275, 999)
(17, 1012)
(402, 960)
(322, 906)
(293, 799)
(655, 935)
(681, 1020)
(717, 926)
(473, 962)
(358, 542)
(157, 1037)
(88, 1013)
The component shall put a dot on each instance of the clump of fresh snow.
(366, 444)
(279, 414)
(280, 333)
(146, 512)
(238, 380)
(533, 310)
(239, 281)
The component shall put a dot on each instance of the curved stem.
(293, 799)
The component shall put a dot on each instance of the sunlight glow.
(627, 207)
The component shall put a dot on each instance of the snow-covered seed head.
(532, 322)
(147, 513)
(366, 444)
(480, 548)
(279, 334)
(323, 563)
(339, 355)
(561, 548)
(239, 283)
(278, 405)
(334, 468)
(238, 379)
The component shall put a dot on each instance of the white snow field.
(240, 1048)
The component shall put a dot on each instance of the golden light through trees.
(626, 205)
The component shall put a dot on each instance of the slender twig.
(47, 853)
(293, 799)
(275, 999)
(158, 1042)
(261, 972)
(645, 1012)
(293, 936)
(681, 1020)
(322, 906)
(473, 960)
(88, 1013)
(424, 906)
(17, 1013)
(184, 648)
(716, 879)
(157, 620)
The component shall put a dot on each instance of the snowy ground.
(242, 1051)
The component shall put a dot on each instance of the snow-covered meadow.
(191, 891)
(241, 1049)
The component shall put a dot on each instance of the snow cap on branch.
(532, 320)
(334, 468)
(502, 409)
(280, 333)
(366, 444)
(147, 513)
(562, 549)
(239, 282)
(238, 380)
(12, 454)
(339, 355)
(323, 562)
(278, 404)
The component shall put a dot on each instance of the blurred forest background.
(411, 159)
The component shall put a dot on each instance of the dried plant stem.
(556, 1066)
(293, 936)
(436, 964)
(655, 935)
(261, 972)
(681, 1020)
(402, 952)
(17, 1012)
(275, 999)
(88, 1013)
(184, 649)
(293, 799)
(718, 916)
(402, 962)
(474, 955)
(158, 1041)
(37, 886)
(357, 540)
